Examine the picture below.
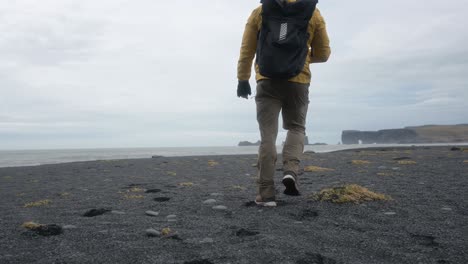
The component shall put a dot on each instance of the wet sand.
(425, 222)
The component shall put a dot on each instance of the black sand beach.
(426, 221)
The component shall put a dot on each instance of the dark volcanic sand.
(429, 225)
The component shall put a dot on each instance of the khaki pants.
(292, 100)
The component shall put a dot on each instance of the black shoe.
(291, 186)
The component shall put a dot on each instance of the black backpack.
(282, 46)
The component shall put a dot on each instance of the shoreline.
(32, 158)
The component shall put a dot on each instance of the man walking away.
(285, 36)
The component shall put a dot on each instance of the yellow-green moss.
(31, 225)
(316, 169)
(212, 163)
(349, 194)
(186, 184)
(360, 162)
(407, 162)
(166, 231)
(38, 203)
(133, 197)
(136, 190)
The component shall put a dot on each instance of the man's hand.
(243, 89)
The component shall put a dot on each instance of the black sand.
(426, 222)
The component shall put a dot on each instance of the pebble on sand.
(220, 207)
(43, 230)
(117, 212)
(151, 213)
(389, 213)
(96, 212)
(209, 201)
(171, 218)
(69, 227)
(207, 240)
(152, 232)
(446, 208)
(216, 194)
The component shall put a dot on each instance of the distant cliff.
(408, 135)
(247, 143)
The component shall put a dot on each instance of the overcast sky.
(145, 73)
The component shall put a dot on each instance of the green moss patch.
(38, 203)
(348, 194)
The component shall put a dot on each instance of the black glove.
(243, 89)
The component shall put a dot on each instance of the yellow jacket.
(318, 41)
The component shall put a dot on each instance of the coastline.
(19, 158)
(423, 222)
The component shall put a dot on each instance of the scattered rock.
(153, 191)
(152, 232)
(239, 187)
(209, 201)
(455, 149)
(216, 194)
(152, 213)
(244, 233)
(171, 218)
(306, 214)
(96, 212)
(396, 168)
(49, 230)
(186, 184)
(220, 207)
(175, 237)
(43, 230)
(162, 199)
(250, 204)
(402, 158)
(425, 240)
(198, 261)
(314, 258)
(382, 168)
(446, 208)
(207, 240)
(69, 227)
(389, 213)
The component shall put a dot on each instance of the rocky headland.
(409, 135)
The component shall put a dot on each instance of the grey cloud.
(163, 73)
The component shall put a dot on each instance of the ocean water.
(16, 158)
